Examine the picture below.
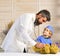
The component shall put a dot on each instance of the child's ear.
(51, 33)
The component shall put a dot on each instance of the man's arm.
(28, 39)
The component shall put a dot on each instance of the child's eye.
(50, 33)
(46, 30)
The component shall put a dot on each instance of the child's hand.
(39, 45)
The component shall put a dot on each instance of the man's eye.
(44, 21)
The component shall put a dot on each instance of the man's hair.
(45, 13)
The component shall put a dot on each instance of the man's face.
(40, 19)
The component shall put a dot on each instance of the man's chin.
(38, 24)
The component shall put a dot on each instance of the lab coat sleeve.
(23, 29)
(26, 37)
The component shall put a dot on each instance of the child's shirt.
(44, 40)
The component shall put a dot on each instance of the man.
(19, 36)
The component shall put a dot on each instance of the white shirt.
(18, 36)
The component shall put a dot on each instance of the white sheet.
(28, 54)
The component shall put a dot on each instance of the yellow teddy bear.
(48, 49)
(44, 50)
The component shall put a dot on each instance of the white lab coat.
(19, 36)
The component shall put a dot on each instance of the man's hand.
(39, 45)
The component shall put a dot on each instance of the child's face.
(47, 33)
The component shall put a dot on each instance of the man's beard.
(36, 23)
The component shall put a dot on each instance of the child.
(46, 40)
(47, 33)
